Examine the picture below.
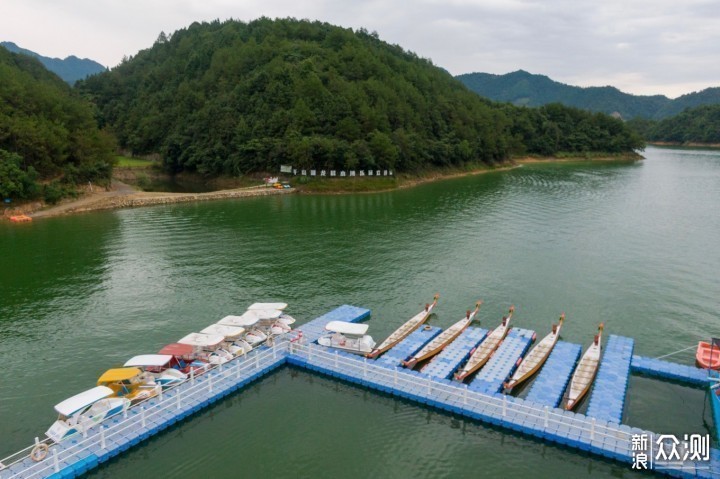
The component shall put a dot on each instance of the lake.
(635, 245)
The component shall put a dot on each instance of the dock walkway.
(601, 437)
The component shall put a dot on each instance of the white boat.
(234, 343)
(130, 383)
(282, 319)
(208, 347)
(442, 339)
(585, 372)
(347, 336)
(82, 411)
(480, 355)
(158, 368)
(403, 331)
(535, 358)
(272, 321)
(249, 320)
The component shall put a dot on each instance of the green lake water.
(636, 245)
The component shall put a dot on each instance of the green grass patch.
(127, 162)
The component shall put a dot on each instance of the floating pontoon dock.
(599, 432)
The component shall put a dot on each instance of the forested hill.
(70, 69)
(233, 97)
(526, 89)
(700, 125)
(46, 132)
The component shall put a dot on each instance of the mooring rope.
(680, 351)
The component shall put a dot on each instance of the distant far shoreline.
(689, 144)
(121, 195)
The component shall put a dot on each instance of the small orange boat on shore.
(708, 355)
(20, 219)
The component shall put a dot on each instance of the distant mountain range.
(70, 69)
(526, 89)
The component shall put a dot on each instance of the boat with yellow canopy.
(129, 383)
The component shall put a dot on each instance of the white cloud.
(640, 46)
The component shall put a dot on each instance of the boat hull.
(534, 360)
(440, 342)
(707, 356)
(363, 345)
(103, 409)
(485, 350)
(403, 331)
(584, 374)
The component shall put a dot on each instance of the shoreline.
(122, 195)
(689, 144)
(125, 197)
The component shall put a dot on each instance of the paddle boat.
(584, 374)
(480, 355)
(158, 367)
(283, 319)
(253, 335)
(130, 383)
(707, 356)
(208, 347)
(272, 321)
(184, 358)
(535, 358)
(79, 413)
(403, 331)
(233, 338)
(442, 340)
(20, 219)
(347, 336)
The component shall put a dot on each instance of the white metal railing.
(472, 399)
(101, 434)
(195, 388)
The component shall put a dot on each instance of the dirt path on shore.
(122, 195)
(85, 203)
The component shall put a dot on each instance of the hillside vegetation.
(526, 89)
(233, 97)
(47, 132)
(694, 125)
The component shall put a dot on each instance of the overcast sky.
(647, 47)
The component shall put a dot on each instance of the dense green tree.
(16, 182)
(46, 129)
(233, 97)
(694, 125)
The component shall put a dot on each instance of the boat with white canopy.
(208, 347)
(234, 343)
(283, 317)
(249, 320)
(158, 367)
(82, 411)
(347, 336)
